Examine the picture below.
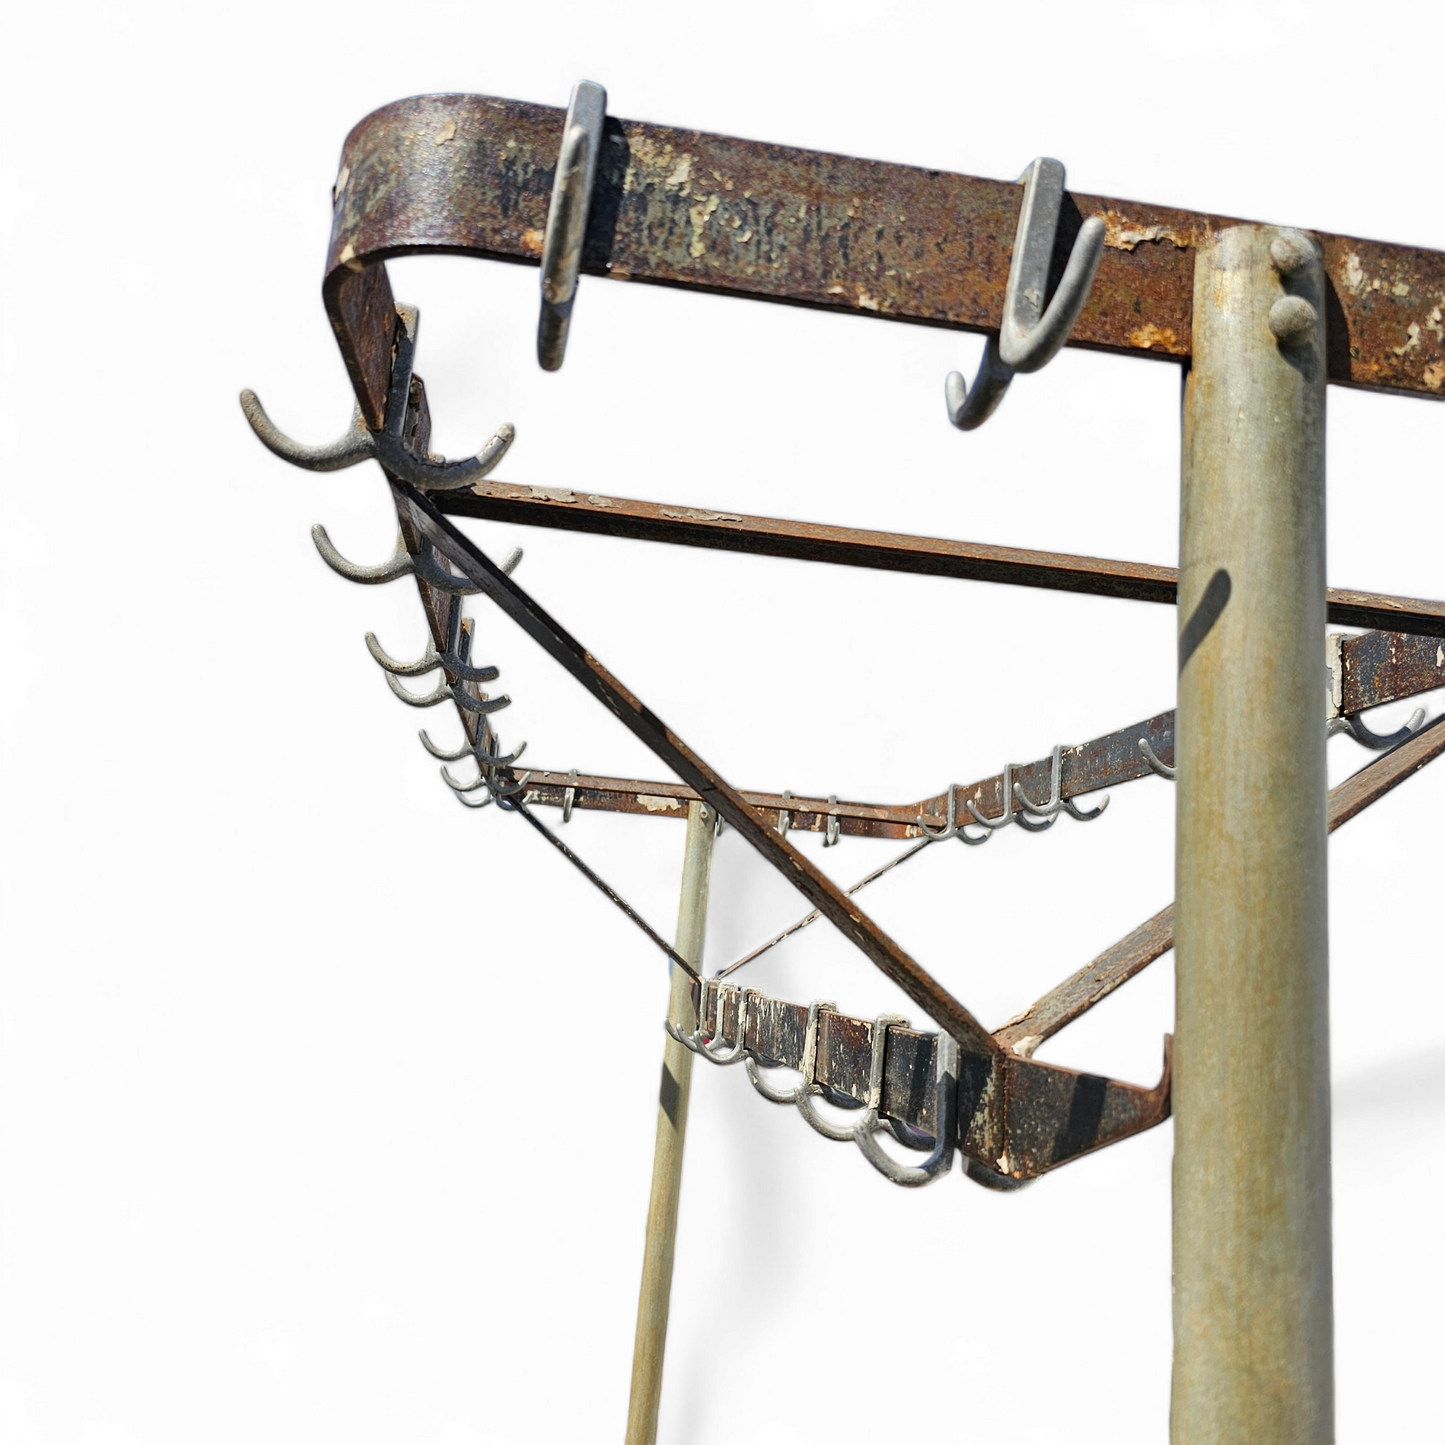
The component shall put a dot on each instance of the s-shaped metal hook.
(1030, 336)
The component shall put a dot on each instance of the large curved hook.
(843, 1133)
(1155, 764)
(1354, 725)
(945, 1114)
(810, 1051)
(428, 473)
(400, 564)
(431, 660)
(468, 750)
(1030, 336)
(705, 1044)
(357, 444)
(352, 446)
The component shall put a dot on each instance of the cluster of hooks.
(1030, 816)
(704, 1041)
(389, 446)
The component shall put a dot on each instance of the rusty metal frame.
(1377, 668)
(473, 175)
(1014, 1102)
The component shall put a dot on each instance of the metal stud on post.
(657, 1255)
(1253, 1314)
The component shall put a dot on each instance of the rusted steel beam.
(1086, 768)
(1000, 1138)
(1054, 1115)
(1383, 666)
(1077, 994)
(1379, 667)
(472, 175)
(564, 509)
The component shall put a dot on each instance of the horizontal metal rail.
(1378, 668)
(473, 175)
(567, 510)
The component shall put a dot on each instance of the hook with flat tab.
(1031, 335)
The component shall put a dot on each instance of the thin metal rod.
(602, 885)
(815, 915)
(657, 1254)
(1253, 1313)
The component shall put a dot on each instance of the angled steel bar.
(566, 509)
(473, 175)
(1093, 983)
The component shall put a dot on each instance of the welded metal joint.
(1031, 336)
(567, 219)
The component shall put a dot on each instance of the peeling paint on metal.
(1124, 235)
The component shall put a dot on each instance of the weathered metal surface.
(1049, 1115)
(579, 511)
(1086, 768)
(1379, 668)
(1093, 983)
(1385, 666)
(473, 175)
(990, 1076)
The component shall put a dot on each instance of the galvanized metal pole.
(652, 1303)
(1253, 1315)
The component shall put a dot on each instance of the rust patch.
(532, 240)
(1123, 234)
(1154, 338)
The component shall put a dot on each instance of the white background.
(328, 1106)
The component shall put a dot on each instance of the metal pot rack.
(1033, 267)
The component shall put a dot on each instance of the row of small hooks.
(480, 741)
(703, 1041)
(1030, 816)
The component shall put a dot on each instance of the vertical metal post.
(652, 1303)
(1253, 1314)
